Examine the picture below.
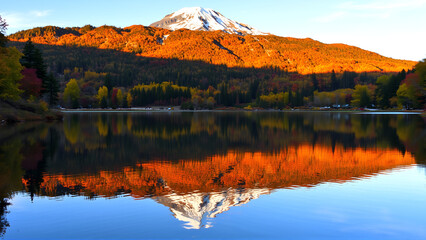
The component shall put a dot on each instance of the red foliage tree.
(114, 101)
(30, 83)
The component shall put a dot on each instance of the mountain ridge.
(304, 56)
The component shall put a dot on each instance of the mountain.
(304, 56)
(203, 19)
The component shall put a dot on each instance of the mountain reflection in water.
(201, 164)
(196, 190)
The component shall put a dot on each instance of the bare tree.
(3, 25)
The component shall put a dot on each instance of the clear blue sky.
(393, 28)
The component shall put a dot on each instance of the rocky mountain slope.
(203, 19)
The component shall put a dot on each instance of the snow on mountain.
(204, 19)
(197, 209)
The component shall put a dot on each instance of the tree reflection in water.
(201, 164)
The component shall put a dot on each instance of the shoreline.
(141, 110)
(21, 116)
(15, 112)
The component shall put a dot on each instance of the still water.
(213, 175)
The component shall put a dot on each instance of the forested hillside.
(304, 56)
(141, 66)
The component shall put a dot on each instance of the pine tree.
(290, 98)
(297, 99)
(52, 89)
(108, 83)
(334, 83)
(314, 81)
(348, 79)
(33, 59)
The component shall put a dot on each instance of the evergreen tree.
(108, 83)
(395, 82)
(298, 99)
(383, 93)
(290, 98)
(52, 89)
(334, 83)
(33, 59)
(315, 81)
(401, 75)
(348, 80)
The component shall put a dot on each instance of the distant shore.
(57, 115)
(366, 111)
(11, 112)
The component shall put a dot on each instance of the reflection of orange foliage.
(296, 166)
(302, 55)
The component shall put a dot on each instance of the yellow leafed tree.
(10, 73)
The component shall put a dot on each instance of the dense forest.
(139, 66)
(218, 85)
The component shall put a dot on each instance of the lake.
(214, 175)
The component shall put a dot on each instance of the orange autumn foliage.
(296, 55)
(295, 166)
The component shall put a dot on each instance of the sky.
(392, 28)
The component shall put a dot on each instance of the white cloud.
(23, 20)
(14, 19)
(40, 13)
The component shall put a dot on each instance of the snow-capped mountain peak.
(204, 19)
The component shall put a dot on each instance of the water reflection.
(197, 210)
(201, 164)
